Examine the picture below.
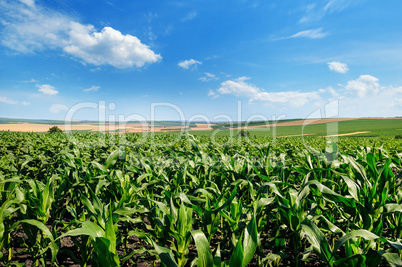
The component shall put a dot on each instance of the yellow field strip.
(294, 135)
(346, 134)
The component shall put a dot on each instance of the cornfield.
(170, 200)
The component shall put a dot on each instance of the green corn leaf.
(87, 228)
(262, 203)
(203, 250)
(395, 244)
(41, 226)
(317, 240)
(3, 208)
(132, 253)
(236, 259)
(47, 199)
(331, 194)
(141, 235)
(391, 208)
(344, 261)
(165, 254)
(373, 258)
(274, 188)
(99, 166)
(371, 164)
(331, 227)
(228, 201)
(358, 167)
(393, 259)
(105, 257)
(184, 198)
(110, 232)
(88, 205)
(112, 158)
(185, 220)
(162, 206)
(352, 187)
(173, 211)
(356, 233)
(46, 232)
(127, 211)
(250, 241)
(217, 257)
(11, 180)
(101, 185)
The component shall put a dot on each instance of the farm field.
(357, 127)
(368, 127)
(21, 125)
(91, 199)
(382, 127)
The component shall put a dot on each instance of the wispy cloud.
(30, 3)
(186, 64)
(317, 11)
(8, 101)
(208, 77)
(338, 67)
(93, 88)
(31, 81)
(311, 34)
(336, 5)
(190, 15)
(212, 94)
(28, 28)
(47, 89)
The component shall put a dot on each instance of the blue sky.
(215, 60)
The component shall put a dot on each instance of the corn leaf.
(203, 250)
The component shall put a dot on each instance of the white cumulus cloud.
(47, 89)
(57, 108)
(338, 67)
(292, 98)
(28, 28)
(239, 87)
(186, 64)
(108, 47)
(363, 85)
